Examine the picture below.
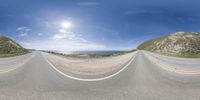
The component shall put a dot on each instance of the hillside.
(183, 44)
(10, 48)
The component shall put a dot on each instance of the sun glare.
(66, 25)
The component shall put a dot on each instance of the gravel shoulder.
(89, 66)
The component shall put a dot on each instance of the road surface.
(142, 79)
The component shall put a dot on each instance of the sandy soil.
(89, 66)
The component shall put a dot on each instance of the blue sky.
(67, 25)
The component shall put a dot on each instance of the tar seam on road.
(93, 79)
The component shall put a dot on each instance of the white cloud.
(62, 30)
(22, 31)
(64, 41)
(23, 34)
(129, 12)
(63, 45)
(40, 34)
(64, 34)
(59, 36)
(25, 44)
(88, 3)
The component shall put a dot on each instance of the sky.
(73, 25)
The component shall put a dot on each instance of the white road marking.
(13, 67)
(92, 79)
(171, 68)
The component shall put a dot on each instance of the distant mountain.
(10, 48)
(178, 44)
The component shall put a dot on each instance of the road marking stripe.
(92, 79)
(13, 67)
(165, 67)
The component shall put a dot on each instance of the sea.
(93, 52)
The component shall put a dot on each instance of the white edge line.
(17, 65)
(170, 69)
(93, 79)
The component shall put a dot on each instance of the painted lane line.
(10, 68)
(173, 69)
(92, 79)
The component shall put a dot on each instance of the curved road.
(141, 80)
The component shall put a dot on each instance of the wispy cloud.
(23, 34)
(64, 40)
(62, 45)
(40, 34)
(25, 44)
(129, 12)
(64, 34)
(23, 28)
(87, 3)
(61, 36)
(22, 31)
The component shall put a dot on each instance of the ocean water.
(93, 52)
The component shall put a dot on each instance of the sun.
(66, 25)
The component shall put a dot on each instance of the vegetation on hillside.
(10, 48)
(179, 44)
(148, 43)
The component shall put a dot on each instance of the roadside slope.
(9, 47)
(181, 44)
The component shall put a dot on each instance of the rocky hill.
(10, 48)
(178, 44)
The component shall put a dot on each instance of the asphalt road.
(143, 79)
